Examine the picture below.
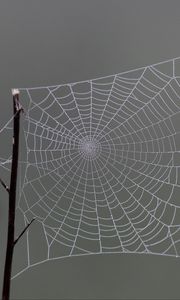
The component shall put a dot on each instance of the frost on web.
(103, 165)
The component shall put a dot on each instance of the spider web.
(102, 172)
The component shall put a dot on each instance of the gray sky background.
(51, 42)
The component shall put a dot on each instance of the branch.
(18, 106)
(4, 185)
(12, 196)
(24, 230)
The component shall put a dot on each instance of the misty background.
(53, 42)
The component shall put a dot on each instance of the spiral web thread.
(102, 173)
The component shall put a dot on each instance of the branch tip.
(4, 185)
(15, 92)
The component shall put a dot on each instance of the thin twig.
(24, 230)
(4, 185)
